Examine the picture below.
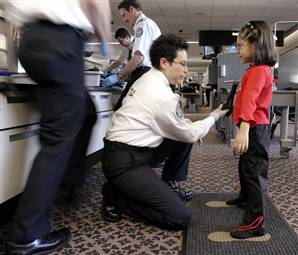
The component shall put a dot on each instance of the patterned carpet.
(212, 169)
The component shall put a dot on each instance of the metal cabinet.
(104, 109)
(18, 148)
(19, 142)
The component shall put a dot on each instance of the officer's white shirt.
(145, 32)
(150, 112)
(125, 51)
(57, 11)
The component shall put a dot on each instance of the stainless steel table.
(284, 99)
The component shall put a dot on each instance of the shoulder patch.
(139, 32)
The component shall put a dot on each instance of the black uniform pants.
(136, 74)
(253, 172)
(52, 55)
(137, 191)
(176, 156)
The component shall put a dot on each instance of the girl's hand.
(242, 139)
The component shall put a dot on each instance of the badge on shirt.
(179, 111)
(139, 32)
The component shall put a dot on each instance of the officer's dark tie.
(129, 54)
(130, 50)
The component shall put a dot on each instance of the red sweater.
(254, 97)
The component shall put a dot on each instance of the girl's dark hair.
(166, 46)
(259, 33)
(127, 3)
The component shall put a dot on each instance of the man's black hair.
(127, 3)
(166, 46)
(122, 33)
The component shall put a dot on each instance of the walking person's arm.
(99, 15)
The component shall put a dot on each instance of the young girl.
(251, 115)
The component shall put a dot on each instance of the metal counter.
(285, 99)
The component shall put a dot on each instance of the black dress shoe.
(184, 195)
(108, 211)
(52, 242)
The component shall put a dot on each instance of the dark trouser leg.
(254, 172)
(76, 169)
(140, 193)
(176, 156)
(53, 56)
(241, 199)
(136, 74)
(242, 194)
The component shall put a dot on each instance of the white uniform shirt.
(57, 11)
(150, 112)
(145, 32)
(125, 52)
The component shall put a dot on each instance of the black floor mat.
(206, 220)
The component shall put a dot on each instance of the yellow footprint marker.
(218, 204)
(226, 237)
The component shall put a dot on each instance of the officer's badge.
(139, 32)
(179, 111)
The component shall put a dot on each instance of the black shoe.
(236, 201)
(52, 242)
(108, 211)
(184, 195)
(254, 229)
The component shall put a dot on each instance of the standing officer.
(135, 136)
(51, 52)
(145, 32)
(127, 41)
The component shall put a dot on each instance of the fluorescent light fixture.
(193, 42)
(235, 33)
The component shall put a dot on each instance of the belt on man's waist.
(48, 23)
(118, 145)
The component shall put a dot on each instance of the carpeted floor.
(213, 169)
